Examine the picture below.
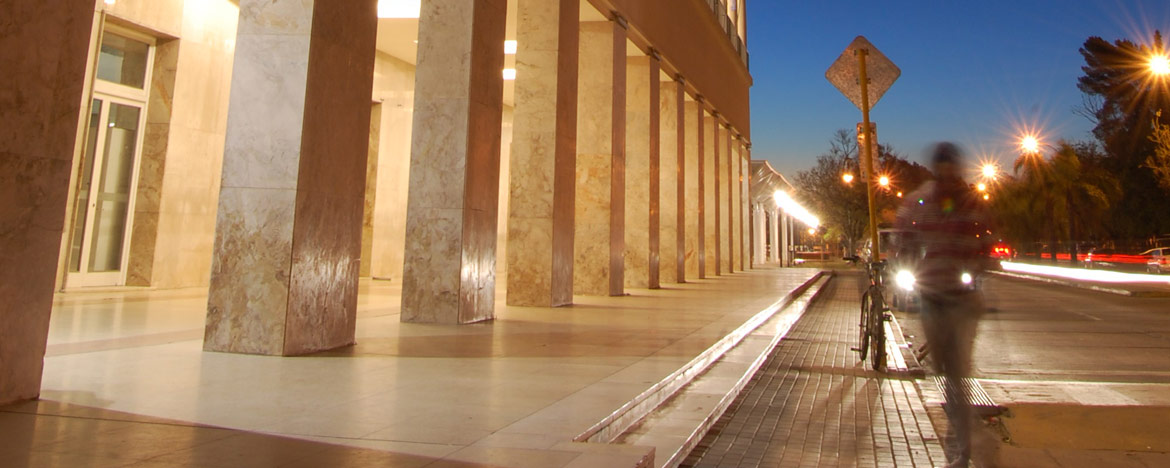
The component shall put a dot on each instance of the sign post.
(856, 79)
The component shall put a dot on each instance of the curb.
(1074, 284)
(720, 408)
(629, 414)
(904, 362)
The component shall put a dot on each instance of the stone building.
(276, 151)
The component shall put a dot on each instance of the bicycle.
(874, 314)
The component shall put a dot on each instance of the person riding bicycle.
(948, 239)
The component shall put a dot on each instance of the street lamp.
(982, 187)
(989, 171)
(1030, 144)
(884, 181)
(847, 177)
(1159, 65)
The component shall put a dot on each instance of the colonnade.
(629, 165)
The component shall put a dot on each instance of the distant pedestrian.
(948, 241)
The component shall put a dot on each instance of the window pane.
(123, 60)
(113, 195)
(81, 208)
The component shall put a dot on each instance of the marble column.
(451, 216)
(655, 144)
(759, 235)
(287, 248)
(733, 217)
(720, 211)
(692, 194)
(45, 49)
(598, 265)
(640, 165)
(775, 250)
(710, 197)
(544, 152)
(671, 163)
(786, 239)
(745, 190)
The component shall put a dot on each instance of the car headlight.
(905, 280)
(965, 278)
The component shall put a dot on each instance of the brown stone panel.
(43, 48)
(617, 213)
(326, 249)
(683, 173)
(656, 179)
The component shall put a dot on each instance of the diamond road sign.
(845, 73)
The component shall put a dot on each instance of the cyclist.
(947, 239)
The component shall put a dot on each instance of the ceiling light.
(398, 8)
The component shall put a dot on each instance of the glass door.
(106, 180)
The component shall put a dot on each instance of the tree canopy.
(1125, 100)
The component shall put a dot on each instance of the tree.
(841, 206)
(1159, 162)
(1124, 102)
(844, 206)
(1061, 198)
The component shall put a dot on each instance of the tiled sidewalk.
(814, 404)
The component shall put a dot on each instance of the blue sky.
(973, 72)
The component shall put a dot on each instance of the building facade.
(277, 151)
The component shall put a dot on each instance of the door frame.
(110, 93)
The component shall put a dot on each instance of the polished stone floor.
(126, 382)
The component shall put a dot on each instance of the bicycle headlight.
(905, 280)
(965, 278)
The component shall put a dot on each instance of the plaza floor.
(126, 382)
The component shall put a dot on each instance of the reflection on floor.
(126, 381)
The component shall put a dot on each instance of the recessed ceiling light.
(398, 8)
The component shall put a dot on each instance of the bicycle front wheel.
(863, 326)
(877, 328)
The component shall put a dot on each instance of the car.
(1158, 261)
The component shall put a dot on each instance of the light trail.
(1085, 274)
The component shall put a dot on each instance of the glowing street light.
(790, 206)
(989, 171)
(982, 187)
(899, 194)
(1030, 144)
(812, 232)
(1160, 65)
(987, 196)
(847, 177)
(884, 181)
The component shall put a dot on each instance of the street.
(1037, 331)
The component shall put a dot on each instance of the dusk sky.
(973, 72)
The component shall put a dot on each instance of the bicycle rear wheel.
(877, 328)
(863, 336)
